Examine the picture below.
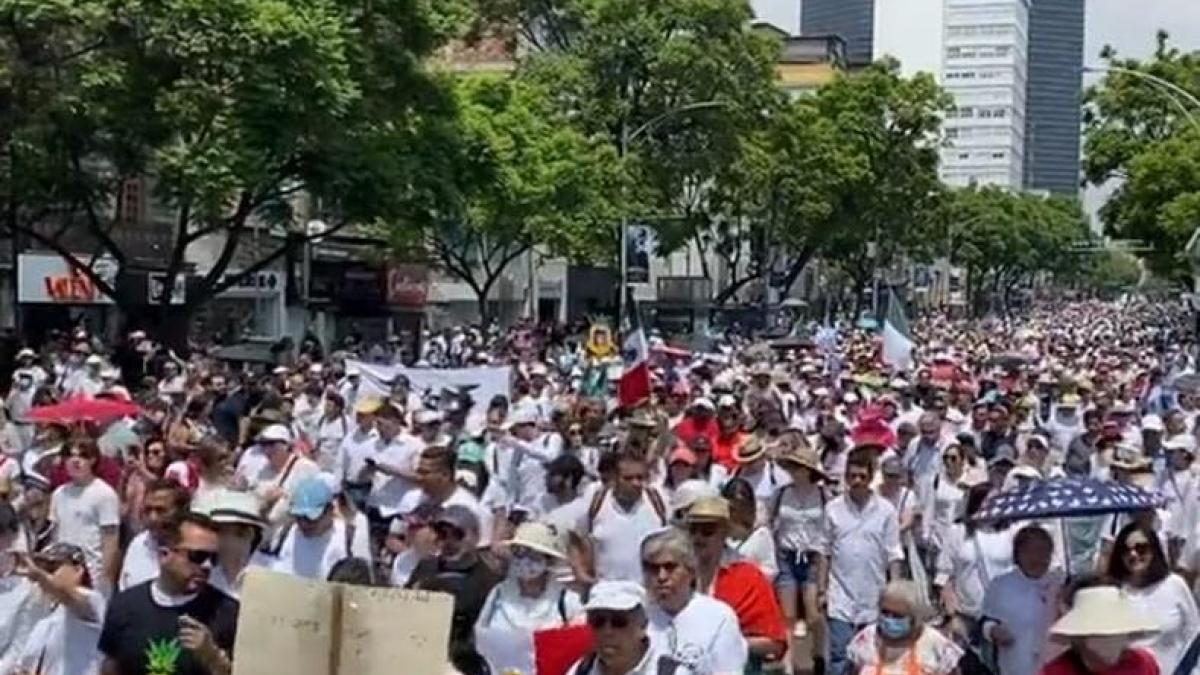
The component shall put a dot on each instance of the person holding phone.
(63, 642)
(177, 622)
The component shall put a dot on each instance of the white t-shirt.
(64, 644)
(314, 557)
(388, 492)
(758, 548)
(460, 497)
(353, 452)
(22, 605)
(506, 608)
(617, 536)
(140, 563)
(287, 479)
(959, 563)
(80, 512)
(703, 636)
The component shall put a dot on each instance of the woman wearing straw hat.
(530, 598)
(1100, 630)
(797, 514)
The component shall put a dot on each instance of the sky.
(1130, 26)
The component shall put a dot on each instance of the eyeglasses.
(1140, 548)
(599, 619)
(197, 556)
(703, 529)
(654, 568)
(951, 458)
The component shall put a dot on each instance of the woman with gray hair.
(698, 631)
(899, 642)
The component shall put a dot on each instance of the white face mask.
(527, 568)
(1107, 648)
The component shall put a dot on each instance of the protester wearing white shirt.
(64, 641)
(355, 449)
(394, 465)
(318, 539)
(528, 453)
(618, 518)
(1139, 565)
(240, 530)
(971, 555)
(283, 471)
(331, 428)
(436, 478)
(1019, 607)
(164, 501)
(22, 605)
(861, 547)
(616, 613)
(700, 632)
(87, 512)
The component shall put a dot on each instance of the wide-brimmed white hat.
(1103, 610)
(538, 537)
(235, 508)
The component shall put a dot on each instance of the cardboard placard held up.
(301, 627)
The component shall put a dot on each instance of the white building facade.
(977, 50)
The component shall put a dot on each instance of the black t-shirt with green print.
(142, 637)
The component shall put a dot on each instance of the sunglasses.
(1139, 549)
(198, 557)
(599, 619)
(703, 529)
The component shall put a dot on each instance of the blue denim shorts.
(795, 568)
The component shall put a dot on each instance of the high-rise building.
(977, 51)
(1053, 99)
(852, 20)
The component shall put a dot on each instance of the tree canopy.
(1145, 138)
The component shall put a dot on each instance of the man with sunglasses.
(178, 609)
(616, 614)
(456, 568)
(724, 575)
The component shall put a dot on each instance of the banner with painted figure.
(377, 379)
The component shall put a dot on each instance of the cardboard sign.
(300, 627)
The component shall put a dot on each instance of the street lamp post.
(627, 139)
(1172, 91)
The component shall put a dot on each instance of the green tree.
(892, 126)
(522, 178)
(630, 71)
(1004, 239)
(1141, 136)
(240, 111)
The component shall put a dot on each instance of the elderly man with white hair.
(699, 631)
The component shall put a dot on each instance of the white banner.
(489, 381)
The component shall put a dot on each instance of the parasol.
(82, 409)
(1066, 498)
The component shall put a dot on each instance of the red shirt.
(690, 427)
(742, 586)
(1133, 662)
(724, 449)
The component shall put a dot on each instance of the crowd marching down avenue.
(1010, 496)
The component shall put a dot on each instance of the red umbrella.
(82, 409)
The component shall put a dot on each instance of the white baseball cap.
(276, 433)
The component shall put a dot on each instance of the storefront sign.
(49, 278)
(407, 285)
(257, 285)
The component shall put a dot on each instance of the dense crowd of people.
(766, 500)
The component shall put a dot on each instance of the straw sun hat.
(1102, 611)
(538, 537)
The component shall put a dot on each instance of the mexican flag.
(633, 389)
